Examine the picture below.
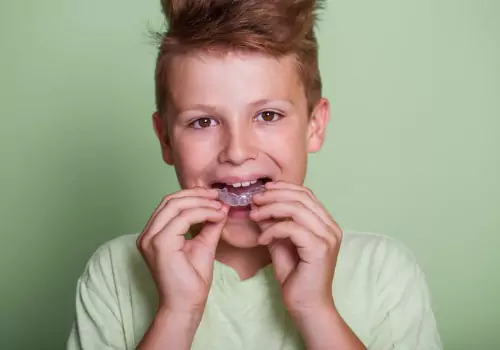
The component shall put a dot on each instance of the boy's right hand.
(183, 269)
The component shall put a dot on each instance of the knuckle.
(336, 231)
(340, 234)
(309, 191)
(173, 201)
(332, 240)
(322, 248)
(305, 197)
(157, 242)
(168, 197)
(184, 214)
(332, 236)
(139, 243)
(142, 242)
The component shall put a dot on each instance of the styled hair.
(273, 27)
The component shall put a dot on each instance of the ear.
(161, 131)
(317, 125)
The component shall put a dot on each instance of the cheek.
(192, 158)
(288, 146)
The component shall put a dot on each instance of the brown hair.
(273, 27)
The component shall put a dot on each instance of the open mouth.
(242, 187)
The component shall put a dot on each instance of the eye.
(202, 123)
(269, 116)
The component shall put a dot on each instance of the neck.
(245, 261)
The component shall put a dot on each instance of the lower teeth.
(238, 200)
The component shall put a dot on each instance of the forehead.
(232, 79)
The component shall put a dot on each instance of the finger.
(284, 257)
(211, 231)
(210, 193)
(193, 192)
(301, 189)
(176, 205)
(291, 186)
(319, 208)
(298, 213)
(146, 227)
(209, 237)
(286, 194)
(263, 224)
(304, 240)
(172, 235)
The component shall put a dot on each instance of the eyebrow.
(255, 104)
(264, 101)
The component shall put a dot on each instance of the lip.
(236, 179)
(239, 213)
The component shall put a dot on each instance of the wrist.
(171, 330)
(305, 317)
(182, 319)
(324, 328)
(311, 310)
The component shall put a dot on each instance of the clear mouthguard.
(238, 200)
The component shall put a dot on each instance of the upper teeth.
(243, 184)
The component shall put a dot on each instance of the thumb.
(264, 224)
(211, 231)
(207, 240)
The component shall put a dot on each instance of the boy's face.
(236, 118)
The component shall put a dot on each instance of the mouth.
(238, 186)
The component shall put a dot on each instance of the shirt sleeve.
(97, 324)
(404, 319)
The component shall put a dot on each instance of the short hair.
(274, 27)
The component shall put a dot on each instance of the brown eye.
(269, 116)
(202, 123)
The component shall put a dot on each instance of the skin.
(241, 115)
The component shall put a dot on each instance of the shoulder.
(113, 259)
(382, 273)
(376, 246)
(377, 256)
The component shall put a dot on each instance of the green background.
(412, 152)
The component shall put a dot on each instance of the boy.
(239, 105)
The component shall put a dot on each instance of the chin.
(241, 234)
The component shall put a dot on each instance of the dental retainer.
(239, 200)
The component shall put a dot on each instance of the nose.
(238, 145)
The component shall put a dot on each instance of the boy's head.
(238, 95)
(274, 27)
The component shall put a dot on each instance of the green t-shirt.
(378, 288)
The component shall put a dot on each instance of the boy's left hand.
(304, 242)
